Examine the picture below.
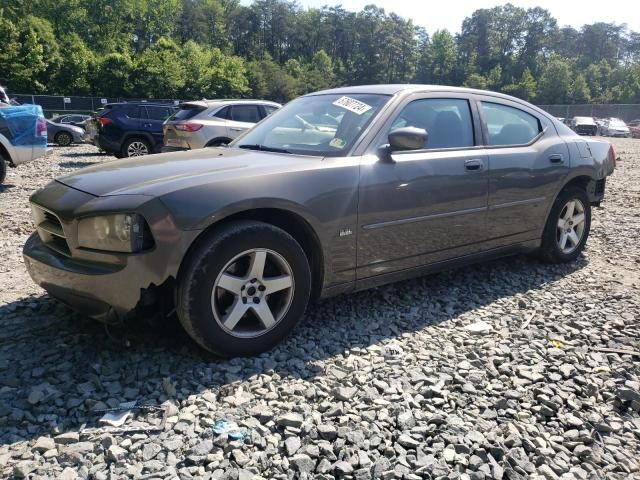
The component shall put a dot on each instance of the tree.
(554, 83)
(525, 88)
(79, 61)
(579, 92)
(158, 72)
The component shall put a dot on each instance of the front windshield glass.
(324, 125)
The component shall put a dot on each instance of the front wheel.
(567, 229)
(243, 289)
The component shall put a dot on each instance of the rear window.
(187, 111)
(508, 125)
(158, 113)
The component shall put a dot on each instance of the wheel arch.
(291, 222)
(224, 139)
(4, 151)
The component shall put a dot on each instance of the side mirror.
(408, 138)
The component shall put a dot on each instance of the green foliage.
(555, 83)
(276, 49)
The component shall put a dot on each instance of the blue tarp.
(22, 122)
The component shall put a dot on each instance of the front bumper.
(104, 292)
(100, 284)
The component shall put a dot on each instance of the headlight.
(122, 232)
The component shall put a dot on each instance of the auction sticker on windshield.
(353, 105)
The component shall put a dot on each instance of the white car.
(23, 135)
(614, 127)
(211, 123)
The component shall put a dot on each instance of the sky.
(449, 14)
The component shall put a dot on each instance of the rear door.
(241, 118)
(156, 115)
(527, 162)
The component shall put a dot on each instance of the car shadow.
(44, 345)
(6, 186)
(72, 164)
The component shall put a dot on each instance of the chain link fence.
(53, 104)
(626, 112)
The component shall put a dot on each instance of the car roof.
(228, 101)
(137, 104)
(409, 88)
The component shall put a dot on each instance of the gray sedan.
(338, 191)
(64, 135)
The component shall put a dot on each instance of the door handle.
(236, 129)
(148, 124)
(556, 158)
(474, 165)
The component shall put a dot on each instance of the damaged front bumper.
(107, 286)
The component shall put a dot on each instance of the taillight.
(41, 128)
(104, 121)
(614, 157)
(188, 127)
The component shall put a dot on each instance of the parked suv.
(210, 123)
(131, 129)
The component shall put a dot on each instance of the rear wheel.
(64, 139)
(135, 147)
(568, 226)
(243, 289)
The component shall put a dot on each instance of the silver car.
(211, 123)
(614, 127)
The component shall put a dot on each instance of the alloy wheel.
(136, 149)
(571, 225)
(253, 293)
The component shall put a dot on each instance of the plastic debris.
(233, 431)
(117, 417)
(479, 328)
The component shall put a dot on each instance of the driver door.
(426, 205)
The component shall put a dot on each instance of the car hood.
(155, 175)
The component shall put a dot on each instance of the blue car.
(131, 129)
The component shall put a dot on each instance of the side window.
(245, 113)
(446, 120)
(133, 111)
(223, 113)
(508, 125)
(158, 113)
(270, 109)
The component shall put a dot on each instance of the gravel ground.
(386, 383)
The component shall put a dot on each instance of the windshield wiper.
(263, 148)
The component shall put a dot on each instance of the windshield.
(324, 125)
(617, 123)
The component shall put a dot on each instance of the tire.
(228, 324)
(64, 139)
(3, 169)
(135, 147)
(555, 234)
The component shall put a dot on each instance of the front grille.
(50, 230)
